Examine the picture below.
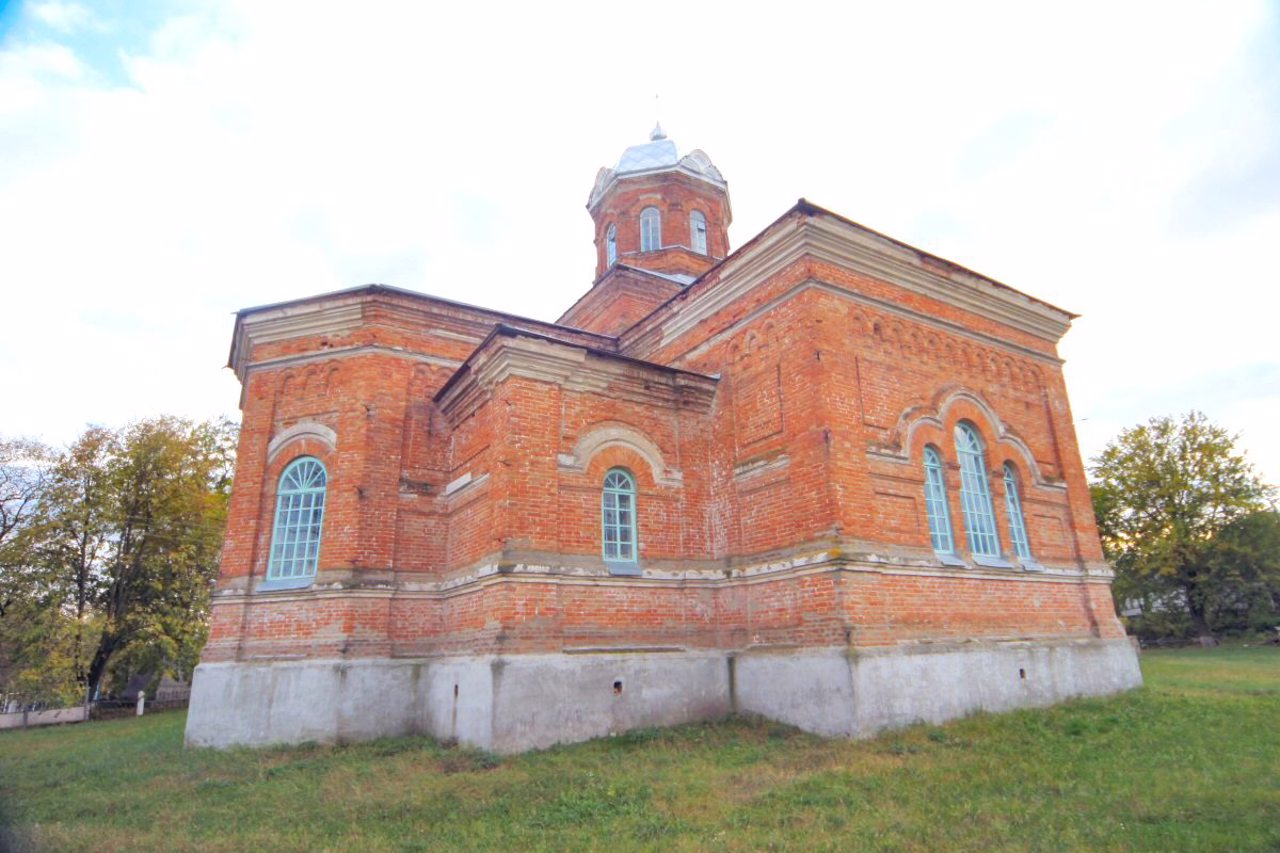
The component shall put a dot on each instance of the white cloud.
(64, 17)
(22, 69)
(1105, 158)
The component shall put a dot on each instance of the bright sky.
(164, 164)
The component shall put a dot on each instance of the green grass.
(1191, 762)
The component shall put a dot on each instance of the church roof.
(323, 312)
(656, 154)
(659, 154)
(830, 236)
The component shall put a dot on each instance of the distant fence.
(171, 696)
(15, 713)
(112, 709)
(45, 717)
(15, 703)
(166, 700)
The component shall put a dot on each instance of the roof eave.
(597, 196)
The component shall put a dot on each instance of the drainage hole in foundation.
(1022, 673)
(617, 688)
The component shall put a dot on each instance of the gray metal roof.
(651, 155)
(656, 155)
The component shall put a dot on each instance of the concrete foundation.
(859, 692)
(510, 704)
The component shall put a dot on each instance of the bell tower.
(661, 220)
(660, 212)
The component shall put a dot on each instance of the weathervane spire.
(658, 132)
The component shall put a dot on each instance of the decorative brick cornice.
(344, 312)
(511, 352)
(607, 180)
(340, 353)
(801, 563)
(849, 245)
(808, 232)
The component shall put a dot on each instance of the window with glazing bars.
(611, 245)
(975, 494)
(1013, 502)
(698, 232)
(295, 541)
(618, 515)
(650, 229)
(935, 503)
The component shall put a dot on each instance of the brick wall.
(783, 505)
(621, 298)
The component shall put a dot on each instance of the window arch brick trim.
(933, 422)
(613, 434)
(304, 430)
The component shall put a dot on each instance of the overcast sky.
(162, 165)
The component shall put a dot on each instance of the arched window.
(650, 229)
(698, 232)
(618, 516)
(1017, 527)
(295, 541)
(935, 503)
(611, 245)
(975, 494)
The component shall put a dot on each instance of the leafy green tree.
(1244, 589)
(1164, 493)
(124, 551)
(169, 482)
(24, 469)
(24, 466)
(74, 542)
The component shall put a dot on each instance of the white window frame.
(1017, 524)
(299, 522)
(935, 502)
(650, 229)
(611, 245)
(618, 541)
(975, 496)
(698, 232)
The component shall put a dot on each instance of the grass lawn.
(1191, 762)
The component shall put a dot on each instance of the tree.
(1244, 586)
(23, 477)
(125, 549)
(1164, 493)
(75, 542)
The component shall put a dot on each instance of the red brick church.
(824, 477)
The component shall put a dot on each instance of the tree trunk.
(106, 648)
(1198, 621)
